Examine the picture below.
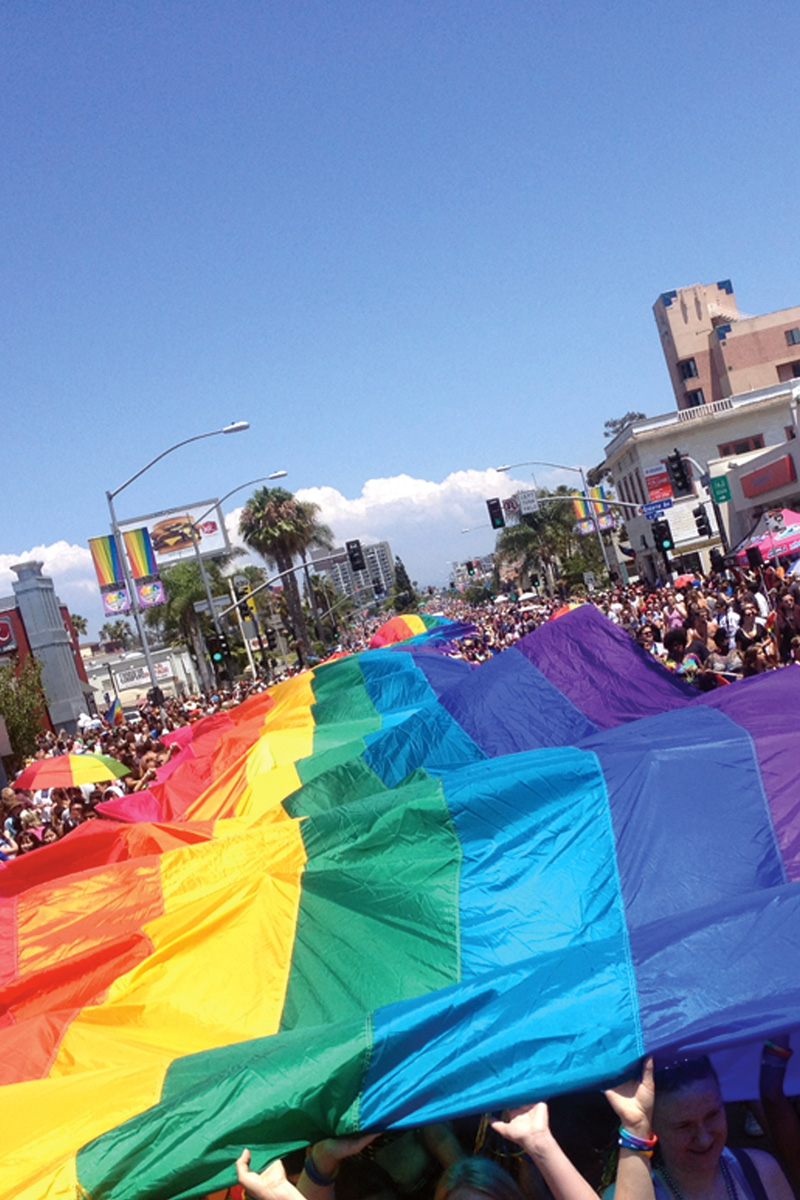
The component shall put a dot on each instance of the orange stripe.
(229, 908)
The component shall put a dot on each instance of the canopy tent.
(770, 545)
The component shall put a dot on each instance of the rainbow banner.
(410, 625)
(140, 553)
(396, 889)
(105, 557)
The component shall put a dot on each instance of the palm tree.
(79, 624)
(118, 631)
(281, 528)
(177, 618)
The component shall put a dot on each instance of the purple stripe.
(597, 666)
(768, 707)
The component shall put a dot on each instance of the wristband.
(315, 1175)
(778, 1051)
(629, 1141)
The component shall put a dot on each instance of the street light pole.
(233, 427)
(196, 540)
(537, 462)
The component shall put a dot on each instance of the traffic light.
(679, 475)
(356, 555)
(272, 638)
(717, 561)
(214, 648)
(496, 518)
(701, 521)
(535, 581)
(662, 535)
(470, 568)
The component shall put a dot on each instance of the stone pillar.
(37, 604)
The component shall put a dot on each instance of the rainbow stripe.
(376, 893)
(105, 557)
(140, 553)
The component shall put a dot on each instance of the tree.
(616, 424)
(404, 598)
(22, 704)
(177, 619)
(281, 528)
(547, 541)
(79, 624)
(119, 631)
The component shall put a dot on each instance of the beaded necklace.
(730, 1185)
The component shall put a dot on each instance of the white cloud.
(70, 567)
(420, 518)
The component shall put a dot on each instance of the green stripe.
(347, 778)
(378, 918)
(269, 1094)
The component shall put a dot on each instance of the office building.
(377, 579)
(713, 351)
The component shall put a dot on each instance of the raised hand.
(526, 1126)
(633, 1101)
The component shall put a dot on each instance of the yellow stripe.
(415, 624)
(230, 909)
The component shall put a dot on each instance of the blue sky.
(405, 241)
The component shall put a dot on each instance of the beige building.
(751, 439)
(713, 351)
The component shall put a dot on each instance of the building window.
(695, 398)
(787, 371)
(688, 368)
(742, 445)
(793, 337)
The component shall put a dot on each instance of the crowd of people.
(711, 631)
(662, 1135)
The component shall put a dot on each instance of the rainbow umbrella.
(70, 770)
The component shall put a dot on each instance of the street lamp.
(196, 544)
(538, 462)
(233, 427)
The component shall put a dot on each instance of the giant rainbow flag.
(395, 889)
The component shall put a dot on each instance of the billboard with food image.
(171, 531)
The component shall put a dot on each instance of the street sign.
(528, 502)
(720, 489)
(589, 580)
(654, 509)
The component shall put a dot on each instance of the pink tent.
(781, 544)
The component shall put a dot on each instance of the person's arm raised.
(529, 1127)
(633, 1103)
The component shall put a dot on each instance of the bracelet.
(629, 1141)
(778, 1051)
(315, 1175)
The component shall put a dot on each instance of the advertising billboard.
(657, 481)
(171, 531)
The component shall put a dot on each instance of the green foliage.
(476, 593)
(22, 704)
(79, 624)
(404, 598)
(547, 541)
(281, 528)
(119, 631)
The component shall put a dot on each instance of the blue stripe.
(546, 990)
(430, 738)
(508, 705)
(688, 810)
